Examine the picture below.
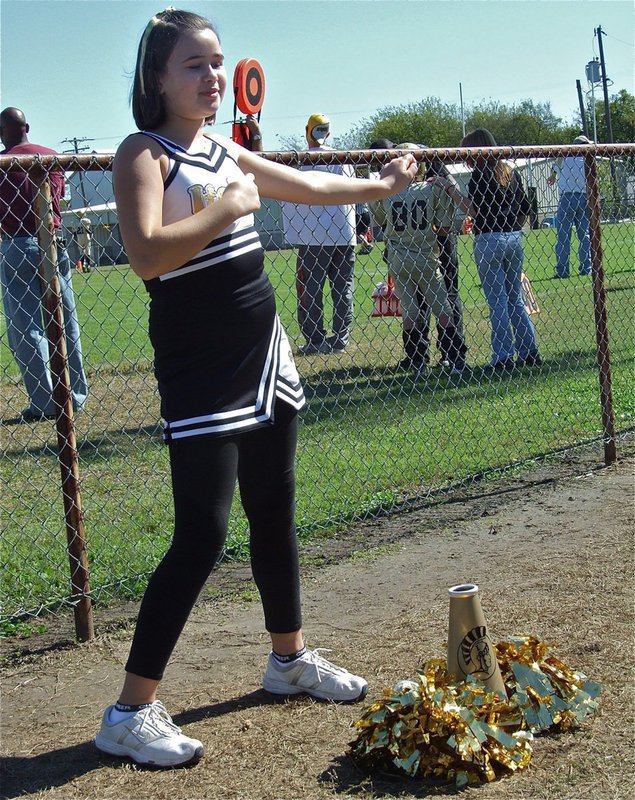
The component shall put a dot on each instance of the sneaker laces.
(322, 663)
(157, 715)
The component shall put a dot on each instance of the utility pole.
(77, 149)
(607, 109)
(462, 111)
(585, 129)
(607, 116)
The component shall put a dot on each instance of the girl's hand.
(399, 172)
(243, 194)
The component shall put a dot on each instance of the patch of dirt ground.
(552, 550)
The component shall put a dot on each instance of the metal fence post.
(67, 447)
(599, 308)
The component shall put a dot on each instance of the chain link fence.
(402, 341)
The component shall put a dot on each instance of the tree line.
(437, 124)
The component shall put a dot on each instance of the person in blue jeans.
(572, 211)
(499, 206)
(21, 290)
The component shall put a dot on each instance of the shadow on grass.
(253, 699)
(98, 448)
(337, 392)
(343, 776)
(23, 775)
(27, 775)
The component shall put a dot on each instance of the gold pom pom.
(433, 727)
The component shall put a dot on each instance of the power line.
(77, 149)
(75, 142)
(621, 41)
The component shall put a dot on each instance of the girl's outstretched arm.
(463, 203)
(152, 247)
(326, 188)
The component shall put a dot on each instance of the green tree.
(525, 123)
(622, 110)
(437, 124)
(428, 122)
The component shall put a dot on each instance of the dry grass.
(554, 558)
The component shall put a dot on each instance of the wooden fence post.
(66, 442)
(599, 308)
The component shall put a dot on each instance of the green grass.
(370, 437)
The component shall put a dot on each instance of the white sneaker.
(314, 675)
(148, 737)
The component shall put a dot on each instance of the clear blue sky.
(67, 63)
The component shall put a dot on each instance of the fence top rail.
(449, 154)
(101, 161)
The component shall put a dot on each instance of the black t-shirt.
(497, 208)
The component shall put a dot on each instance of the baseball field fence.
(86, 501)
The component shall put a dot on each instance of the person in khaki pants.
(410, 220)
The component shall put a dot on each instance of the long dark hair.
(156, 45)
(481, 137)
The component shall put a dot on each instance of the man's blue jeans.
(572, 210)
(21, 296)
(499, 259)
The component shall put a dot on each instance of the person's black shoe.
(460, 369)
(409, 364)
(29, 415)
(314, 348)
(531, 360)
(336, 344)
(503, 367)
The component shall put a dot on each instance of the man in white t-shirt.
(572, 210)
(325, 237)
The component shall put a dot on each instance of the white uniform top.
(222, 357)
(194, 181)
(410, 217)
(570, 171)
(321, 225)
(409, 220)
(84, 233)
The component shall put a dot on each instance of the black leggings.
(204, 471)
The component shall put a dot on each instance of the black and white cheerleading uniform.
(221, 354)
